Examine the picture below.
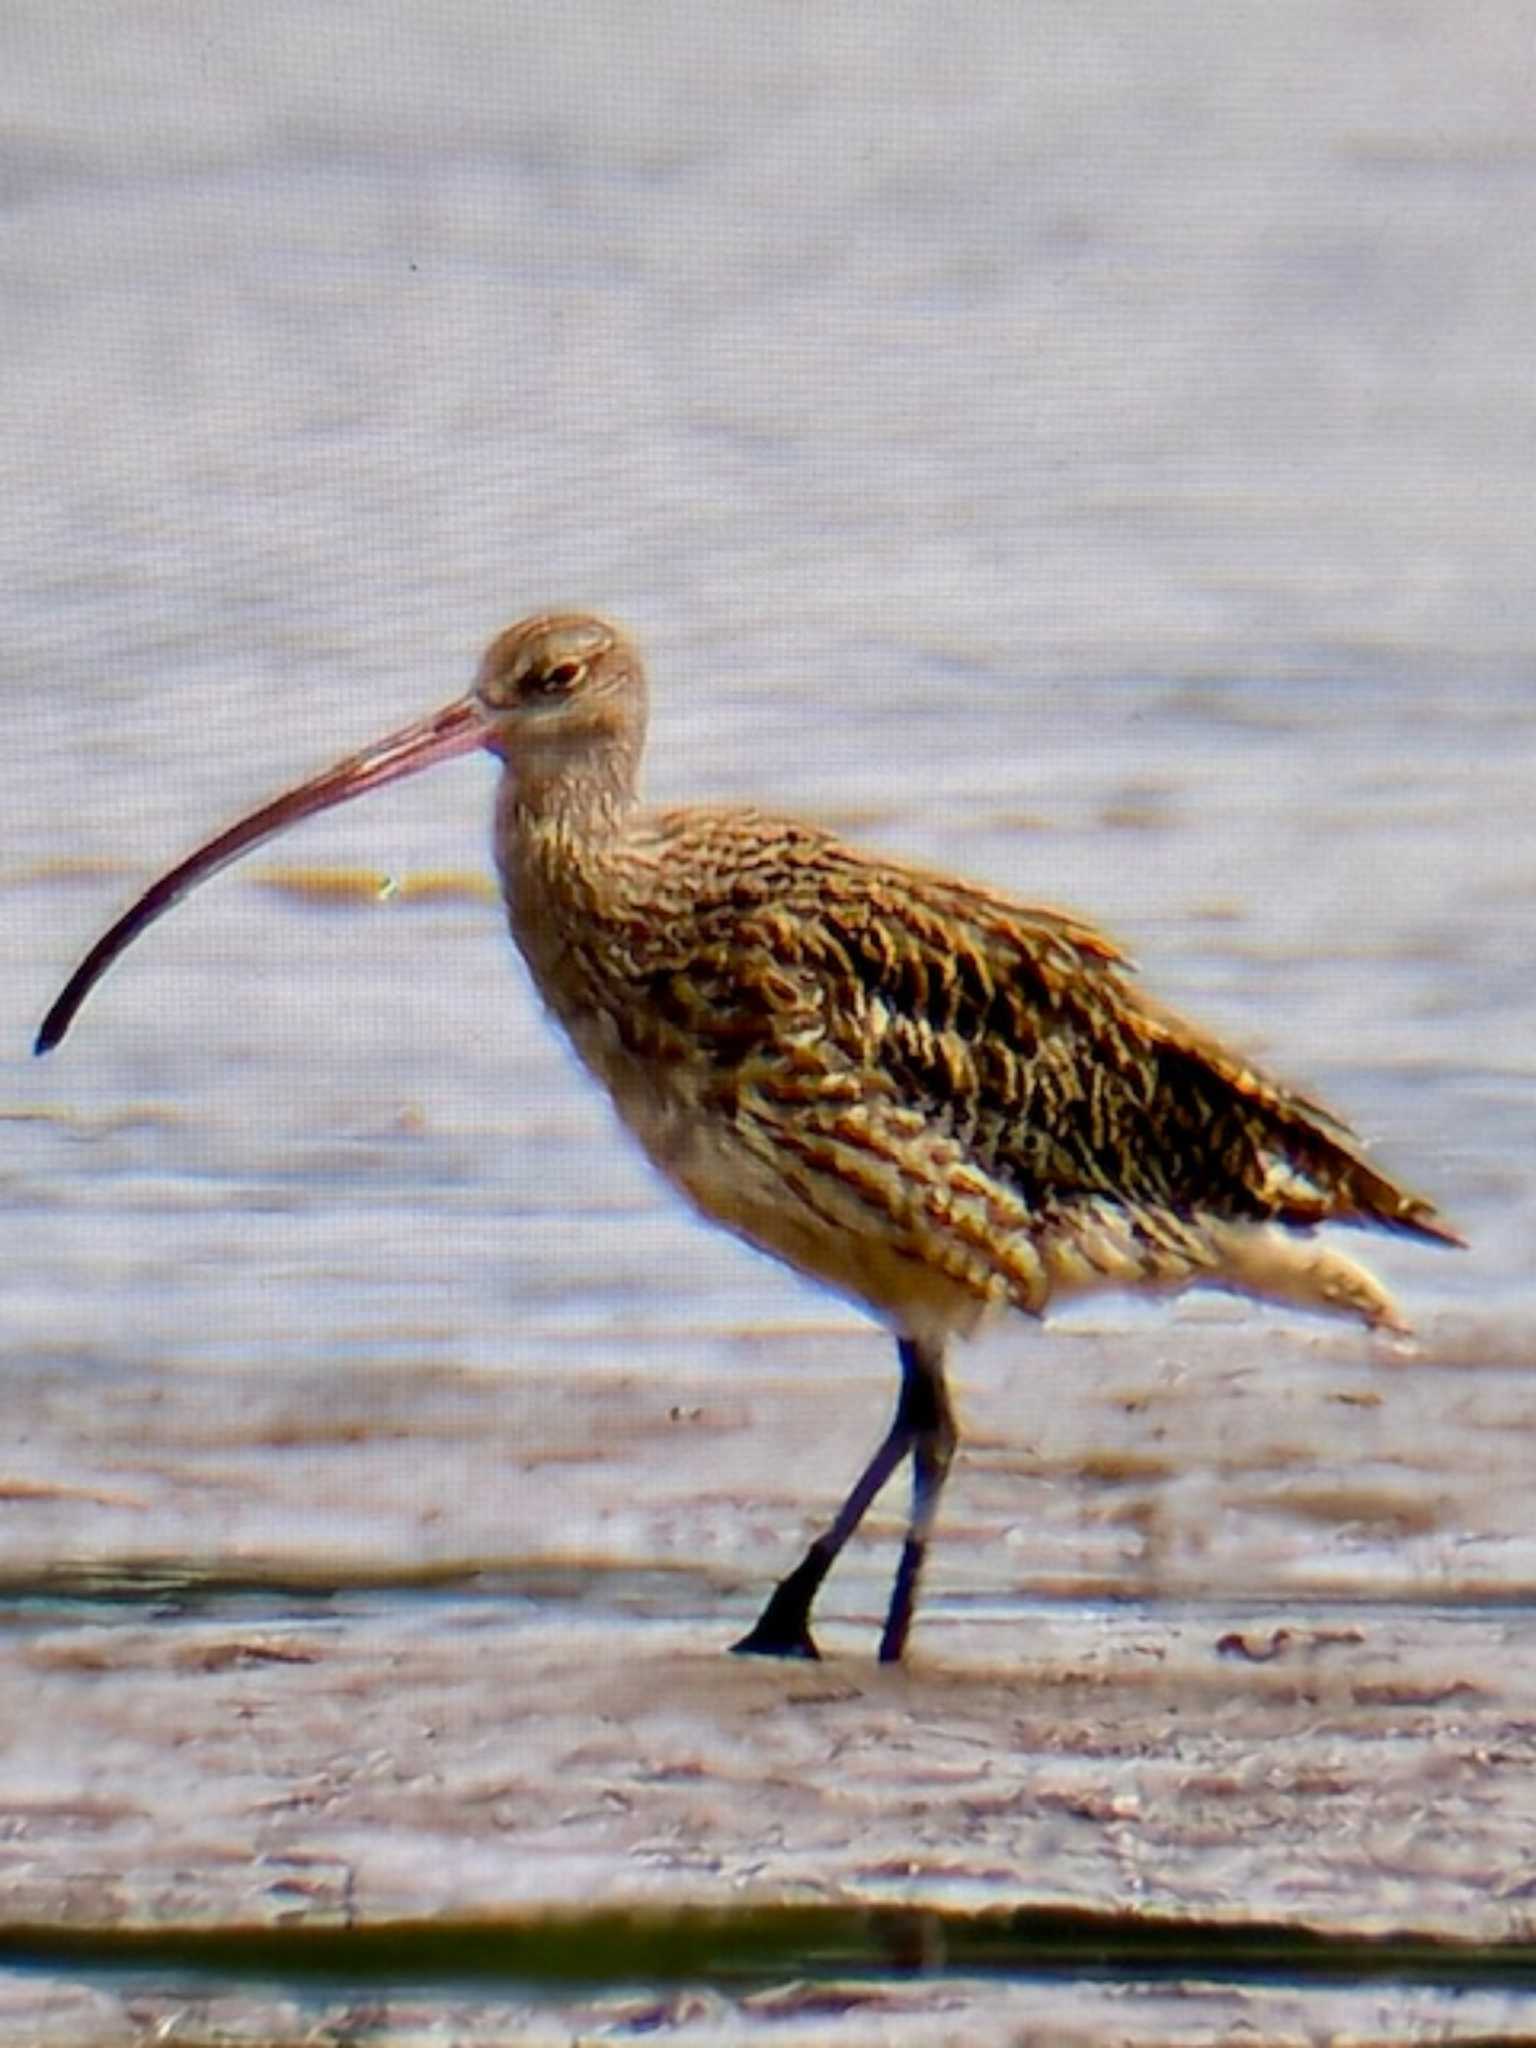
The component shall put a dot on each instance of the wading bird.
(931, 1099)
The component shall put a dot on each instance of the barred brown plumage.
(933, 1100)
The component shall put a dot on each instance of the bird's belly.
(860, 1256)
(812, 1226)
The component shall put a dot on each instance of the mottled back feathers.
(907, 1036)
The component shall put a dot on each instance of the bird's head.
(560, 684)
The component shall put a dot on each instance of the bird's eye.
(550, 682)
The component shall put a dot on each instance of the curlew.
(933, 1100)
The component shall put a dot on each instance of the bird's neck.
(560, 822)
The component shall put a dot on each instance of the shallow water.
(1093, 454)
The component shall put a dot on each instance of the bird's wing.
(817, 968)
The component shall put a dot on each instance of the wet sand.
(1217, 1656)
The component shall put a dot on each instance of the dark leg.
(922, 1420)
(933, 1452)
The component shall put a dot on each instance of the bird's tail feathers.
(1316, 1175)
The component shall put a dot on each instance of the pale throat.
(562, 814)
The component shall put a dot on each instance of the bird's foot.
(766, 1642)
(783, 1628)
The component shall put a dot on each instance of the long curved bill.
(457, 729)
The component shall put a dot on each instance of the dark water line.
(173, 1586)
(757, 1948)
